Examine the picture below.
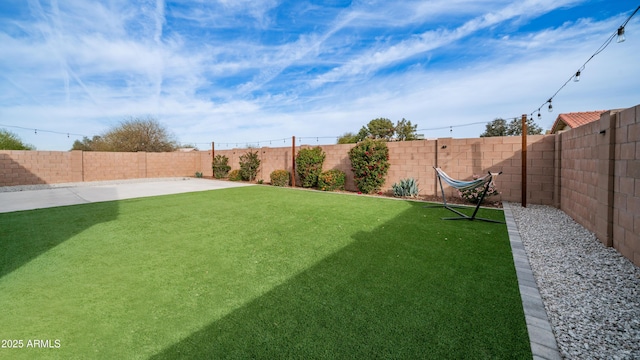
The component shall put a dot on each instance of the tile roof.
(575, 119)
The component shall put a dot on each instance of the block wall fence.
(459, 158)
(592, 172)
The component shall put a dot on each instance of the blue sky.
(244, 71)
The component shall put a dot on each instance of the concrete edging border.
(541, 336)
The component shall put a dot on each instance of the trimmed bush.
(369, 163)
(309, 166)
(221, 166)
(249, 165)
(331, 180)
(280, 178)
(235, 175)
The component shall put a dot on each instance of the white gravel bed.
(591, 292)
(88, 183)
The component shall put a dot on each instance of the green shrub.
(406, 187)
(369, 163)
(473, 195)
(221, 166)
(331, 180)
(235, 175)
(198, 174)
(309, 166)
(280, 178)
(249, 165)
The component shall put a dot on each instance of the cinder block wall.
(598, 179)
(19, 167)
(626, 184)
(50, 167)
(579, 174)
(100, 166)
(459, 158)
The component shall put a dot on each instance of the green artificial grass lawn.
(258, 272)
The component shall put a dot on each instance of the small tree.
(131, 135)
(405, 131)
(86, 144)
(309, 166)
(381, 128)
(515, 127)
(11, 141)
(249, 165)
(348, 138)
(369, 163)
(500, 127)
(221, 166)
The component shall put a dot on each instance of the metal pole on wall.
(293, 161)
(213, 155)
(524, 160)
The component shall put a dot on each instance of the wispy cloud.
(241, 71)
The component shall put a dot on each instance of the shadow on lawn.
(24, 235)
(413, 287)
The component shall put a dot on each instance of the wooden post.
(293, 161)
(524, 160)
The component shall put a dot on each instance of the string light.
(576, 77)
(35, 131)
(621, 37)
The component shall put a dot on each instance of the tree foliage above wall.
(500, 127)
(382, 129)
(131, 135)
(11, 141)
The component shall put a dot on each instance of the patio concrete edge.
(541, 336)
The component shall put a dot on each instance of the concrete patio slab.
(88, 192)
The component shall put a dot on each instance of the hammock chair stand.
(487, 180)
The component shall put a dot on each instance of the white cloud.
(75, 67)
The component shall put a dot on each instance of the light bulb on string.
(539, 116)
(576, 78)
(550, 106)
(621, 37)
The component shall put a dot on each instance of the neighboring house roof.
(573, 120)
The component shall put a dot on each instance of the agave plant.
(406, 187)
